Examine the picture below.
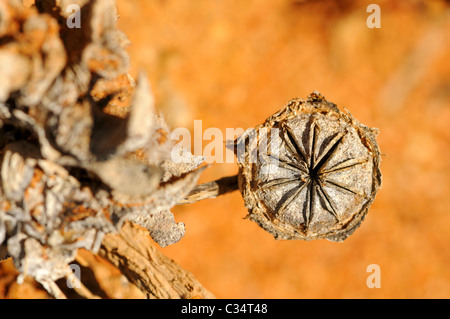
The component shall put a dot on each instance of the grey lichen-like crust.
(310, 171)
(70, 172)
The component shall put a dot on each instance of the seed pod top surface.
(309, 171)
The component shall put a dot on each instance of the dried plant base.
(320, 181)
(82, 148)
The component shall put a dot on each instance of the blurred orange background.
(233, 63)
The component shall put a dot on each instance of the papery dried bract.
(71, 168)
(141, 120)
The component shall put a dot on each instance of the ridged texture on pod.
(309, 171)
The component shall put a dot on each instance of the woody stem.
(212, 189)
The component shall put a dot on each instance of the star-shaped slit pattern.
(308, 162)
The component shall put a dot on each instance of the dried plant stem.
(53, 289)
(133, 252)
(212, 189)
(79, 287)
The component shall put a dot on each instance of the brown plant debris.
(155, 274)
(76, 160)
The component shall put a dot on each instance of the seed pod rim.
(295, 107)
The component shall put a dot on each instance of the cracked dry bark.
(156, 275)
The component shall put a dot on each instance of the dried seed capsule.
(309, 172)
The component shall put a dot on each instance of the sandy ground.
(233, 63)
